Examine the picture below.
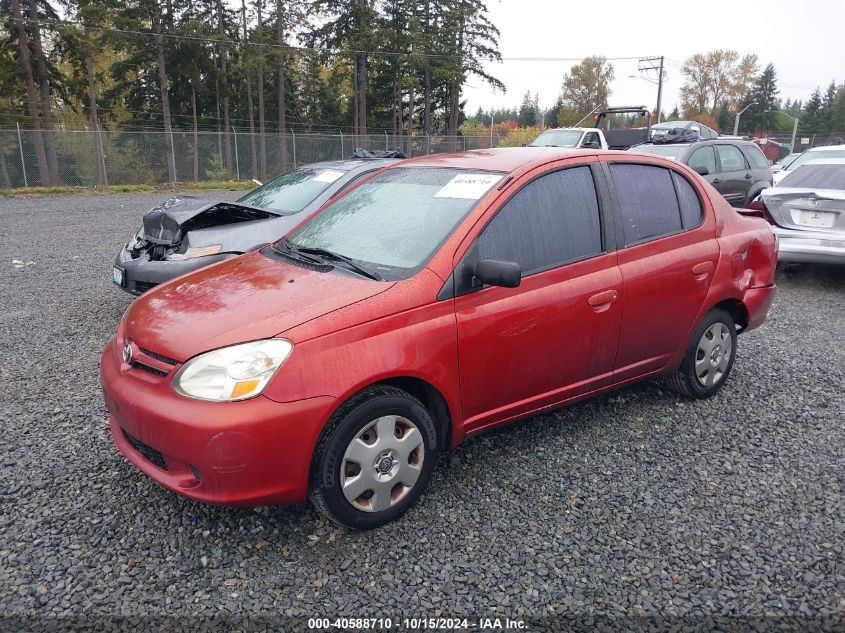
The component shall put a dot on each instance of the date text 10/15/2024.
(417, 624)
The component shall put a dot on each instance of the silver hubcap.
(713, 354)
(382, 463)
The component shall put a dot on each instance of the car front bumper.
(139, 275)
(810, 246)
(247, 453)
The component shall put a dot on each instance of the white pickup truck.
(584, 137)
(595, 137)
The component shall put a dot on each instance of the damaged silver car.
(807, 212)
(185, 233)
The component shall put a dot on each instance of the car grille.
(157, 356)
(149, 368)
(152, 455)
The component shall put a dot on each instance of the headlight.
(133, 241)
(199, 251)
(232, 373)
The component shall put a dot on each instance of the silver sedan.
(807, 212)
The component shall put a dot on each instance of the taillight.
(760, 211)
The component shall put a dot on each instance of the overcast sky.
(804, 41)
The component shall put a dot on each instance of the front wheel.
(374, 459)
(709, 358)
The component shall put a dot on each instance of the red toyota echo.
(440, 297)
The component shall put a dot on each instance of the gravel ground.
(634, 504)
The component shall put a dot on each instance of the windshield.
(816, 176)
(394, 222)
(292, 192)
(670, 151)
(815, 155)
(558, 138)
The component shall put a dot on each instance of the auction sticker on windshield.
(468, 186)
(329, 175)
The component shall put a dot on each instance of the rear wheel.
(374, 459)
(709, 358)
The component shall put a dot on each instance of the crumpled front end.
(183, 234)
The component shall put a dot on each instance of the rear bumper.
(810, 246)
(139, 275)
(253, 452)
(758, 301)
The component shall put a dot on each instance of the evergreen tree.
(762, 116)
(529, 110)
(724, 118)
(811, 122)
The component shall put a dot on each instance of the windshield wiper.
(293, 251)
(341, 258)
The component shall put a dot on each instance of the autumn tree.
(586, 87)
(714, 78)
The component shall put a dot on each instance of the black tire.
(352, 418)
(686, 380)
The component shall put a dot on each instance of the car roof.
(704, 141)
(824, 161)
(350, 164)
(826, 148)
(504, 159)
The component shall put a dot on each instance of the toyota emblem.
(127, 353)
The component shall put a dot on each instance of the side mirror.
(494, 272)
(701, 170)
(776, 168)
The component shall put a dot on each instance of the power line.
(311, 49)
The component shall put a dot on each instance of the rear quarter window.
(756, 157)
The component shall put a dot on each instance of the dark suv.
(737, 169)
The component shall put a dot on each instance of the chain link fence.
(776, 147)
(131, 157)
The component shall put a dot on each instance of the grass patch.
(228, 185)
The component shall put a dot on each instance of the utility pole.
(654, 63)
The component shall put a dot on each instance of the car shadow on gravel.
(814, 275)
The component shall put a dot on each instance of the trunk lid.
(808, 209)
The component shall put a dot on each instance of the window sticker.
(468, 186)
(328, 175)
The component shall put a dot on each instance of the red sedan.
(438, 298)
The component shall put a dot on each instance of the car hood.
(166, 222)
(243, 299)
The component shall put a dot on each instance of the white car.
(816, 153)
(807, 212)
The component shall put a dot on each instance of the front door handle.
(702, 270)
(716, 181)
(601, 301)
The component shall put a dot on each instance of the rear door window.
(647, 201)
(731, 158)
(703, 157)
(552, 220)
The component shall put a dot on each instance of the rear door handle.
(716, 181)
(601, 301)
(748, 176)
(702, 270)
